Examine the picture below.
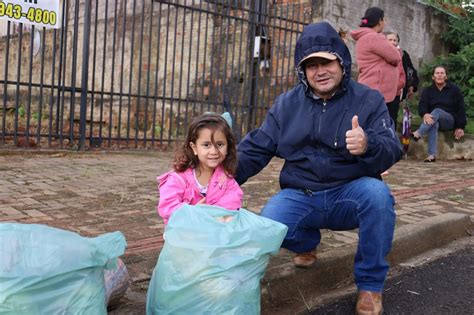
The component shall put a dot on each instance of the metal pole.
(253, 63)
(256, 29)
(85, 74)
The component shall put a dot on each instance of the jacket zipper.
(321, 118)
(339, 126)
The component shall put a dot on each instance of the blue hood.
(322, 37)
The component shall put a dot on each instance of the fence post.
(84, 75)
(253, 69)
(256, 30)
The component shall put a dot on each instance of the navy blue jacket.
(309, 132)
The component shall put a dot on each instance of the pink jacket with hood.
(177, 189)
(378, 61)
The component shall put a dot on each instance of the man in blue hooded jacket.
(336, 138)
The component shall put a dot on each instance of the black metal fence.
(132, 74)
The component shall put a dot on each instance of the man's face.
(324, 76)
(439, 76)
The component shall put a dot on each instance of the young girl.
(203, 169)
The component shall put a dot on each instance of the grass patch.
(469, 127)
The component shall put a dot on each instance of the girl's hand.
(202, 201)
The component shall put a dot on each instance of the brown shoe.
(305, 260)
(369, 303)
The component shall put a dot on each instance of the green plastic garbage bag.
(45, 270)
(212, 262)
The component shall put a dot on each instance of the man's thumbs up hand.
(356, 139)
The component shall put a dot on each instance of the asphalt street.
(440, 282)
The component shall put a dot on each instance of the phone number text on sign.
(28, 13)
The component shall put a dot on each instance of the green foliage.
(157, 131)
(461, 21)
(461, 30)
(21, 111)
(413, 106)
(469, 127)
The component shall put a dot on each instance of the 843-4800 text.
(15, 11)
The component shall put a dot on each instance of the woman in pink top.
(377, 59)
(203, 169)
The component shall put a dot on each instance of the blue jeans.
(442, 121)
(365, 203)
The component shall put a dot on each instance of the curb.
(288, 290)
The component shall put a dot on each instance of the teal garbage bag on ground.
(45, 270)
(212, 262)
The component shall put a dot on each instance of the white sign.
(36, 12)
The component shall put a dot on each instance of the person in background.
(377, 59)
(336, 138)
(442, 108)
(411, 75)
(394, 106)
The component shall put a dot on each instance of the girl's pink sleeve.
(171, 188)
(232, 197)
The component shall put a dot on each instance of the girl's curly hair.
(185, 157)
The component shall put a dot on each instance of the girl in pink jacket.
(203, 169)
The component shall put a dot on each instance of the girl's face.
(210, 155)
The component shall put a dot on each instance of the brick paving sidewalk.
(99, 192)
